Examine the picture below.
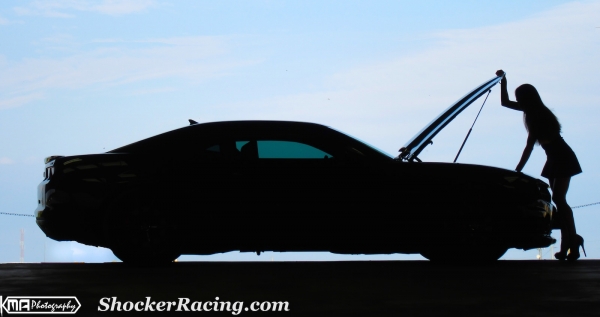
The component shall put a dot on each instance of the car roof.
(196, 133)
(260, 124)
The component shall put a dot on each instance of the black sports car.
(289, 186)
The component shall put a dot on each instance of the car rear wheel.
(464, 254)
(138, 230)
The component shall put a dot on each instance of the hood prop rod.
(471, 129)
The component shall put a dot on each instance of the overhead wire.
(13, 214)
(580, 206)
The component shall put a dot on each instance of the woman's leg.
(569, 240)
(564, 230)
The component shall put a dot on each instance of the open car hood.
(414, 147)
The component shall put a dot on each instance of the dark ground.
(383, 288)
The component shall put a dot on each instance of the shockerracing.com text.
(183, 304)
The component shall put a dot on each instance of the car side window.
(221, 150)
(268, 149)
(265, 149)
(214, 148)
(240, 144)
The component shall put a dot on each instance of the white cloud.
(5, 161)
(138, 92)
(70, 251)
(19, 100)
(60, 8)
(50, 9)
(561, 41)
(85, 253)
(389, 101)
(191, 58)
(120, 7)
(3, 21)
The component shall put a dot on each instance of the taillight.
(51, 158)
(49, 172)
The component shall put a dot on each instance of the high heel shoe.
(561, 256)
(564, 249)
(574, 255)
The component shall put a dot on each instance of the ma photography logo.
(39, 305)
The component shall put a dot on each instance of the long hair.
(538, 119)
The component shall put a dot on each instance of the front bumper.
(521, 226)
(533, 226)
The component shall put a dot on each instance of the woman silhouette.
(543, 128)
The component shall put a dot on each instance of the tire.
(481, 254)
(139, 231)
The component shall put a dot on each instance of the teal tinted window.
(214, 148)
(288, 150)
(239, 144)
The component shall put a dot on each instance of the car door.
(287, 186)
(208, 190)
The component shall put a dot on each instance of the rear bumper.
(66, 217)
(57, 224)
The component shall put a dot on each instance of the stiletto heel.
(574, 254)
(580, 242)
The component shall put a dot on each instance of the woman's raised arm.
(504, 100)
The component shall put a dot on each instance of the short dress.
(561, 160)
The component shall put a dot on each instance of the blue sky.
(89, 76)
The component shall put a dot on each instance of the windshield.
(375, 149)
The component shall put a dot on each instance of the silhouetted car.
(289, 186)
